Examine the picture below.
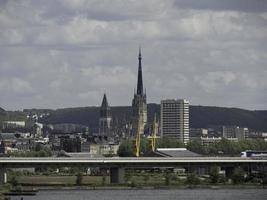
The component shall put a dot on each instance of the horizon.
(98, 106)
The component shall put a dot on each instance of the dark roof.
(175, 152)
(79, 155)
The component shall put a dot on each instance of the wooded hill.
(200, 116)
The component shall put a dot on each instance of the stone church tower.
(105, 119)
(139, 106)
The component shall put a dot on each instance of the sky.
(68, 53)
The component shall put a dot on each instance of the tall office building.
(105, 119)
(139, 106)
(175, 119)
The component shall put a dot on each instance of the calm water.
(183, 194)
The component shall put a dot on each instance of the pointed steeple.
(104, 102)
(140, 78)
(105, 109)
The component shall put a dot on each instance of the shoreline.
(214, 187)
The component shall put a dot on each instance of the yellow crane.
(152, 138)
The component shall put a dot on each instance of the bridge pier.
(3, 176)
(117, 175)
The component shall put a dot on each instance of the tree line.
(224, 147)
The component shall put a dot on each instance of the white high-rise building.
(175, 119)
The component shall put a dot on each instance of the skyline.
(56, 54)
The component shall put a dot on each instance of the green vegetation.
(192, 179)
(126, 148)
(40, 153)
(133, 178)
(67, 180)
(226, 147)
(223, 148)
(238, 176)
(214, 174)
(79, 178)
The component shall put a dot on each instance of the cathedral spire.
(140, 79)
(105, 109)
(104, 102)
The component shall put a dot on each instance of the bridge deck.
(129, 160)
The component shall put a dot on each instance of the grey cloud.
(238, 5)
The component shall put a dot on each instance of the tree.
(214, 174)
(167, 178)
(103, 179)
(192, 179)
(126, 149)
(238, 175)
(13, 180)
(146, 178)
(79, 178)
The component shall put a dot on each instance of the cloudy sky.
(67, 53)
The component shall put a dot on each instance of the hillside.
(200, 116)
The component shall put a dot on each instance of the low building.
(195, 133)
(234, 132)
(209, 140)
(13, 124)
(7, 141)
(173, 152)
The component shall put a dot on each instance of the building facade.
(175, 119)
(234, 132)
(139, 106)
(105, 119)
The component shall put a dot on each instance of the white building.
(13, 124)
(175, 119)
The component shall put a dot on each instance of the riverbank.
(119, 187)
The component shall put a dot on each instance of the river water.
(179, 194)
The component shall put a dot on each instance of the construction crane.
(152, 138)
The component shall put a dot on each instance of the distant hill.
(200, 116)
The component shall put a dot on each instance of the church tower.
(105, 119)
(139, 106)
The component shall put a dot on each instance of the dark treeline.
(200, 116)
(227, 147)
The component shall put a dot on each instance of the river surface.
(179, 194)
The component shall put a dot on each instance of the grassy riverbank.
(131, 180)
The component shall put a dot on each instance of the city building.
(209, 140)
(196, 133)
(13, 124)
(139, 106)
(175, 119)
(70, 143)
(105, 119)
(234, 132)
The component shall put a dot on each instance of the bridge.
(117, 165)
